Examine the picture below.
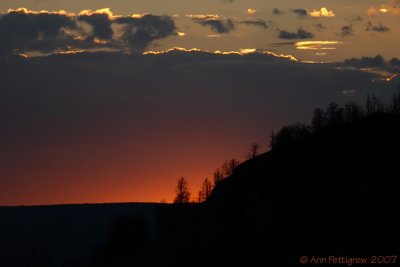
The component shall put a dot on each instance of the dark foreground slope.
(334, 192)
(64, 235)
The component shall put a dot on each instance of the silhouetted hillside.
(64, 235)
(332, 192)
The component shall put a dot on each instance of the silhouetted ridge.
(331, 190)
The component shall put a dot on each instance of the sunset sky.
(113, 101)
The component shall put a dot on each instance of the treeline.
(183, 194)
(335, 116)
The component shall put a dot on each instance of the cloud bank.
(299, 34)
(22, 30)
(215, 22)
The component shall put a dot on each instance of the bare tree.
(318, 120)
(272, 140)
(253, 152)
(218, 176)
(334, 115)
(182, 191)
(205, 191)
(289, 133)
(374, 105)
(233, 163)
(352, 112)
(396, 103)
(229, 166)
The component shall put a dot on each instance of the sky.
(106, 101)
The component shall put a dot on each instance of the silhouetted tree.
(334, 115)
(290, 133)
(352, 112)
(374, 105)
(229, 166)
(218, 176)
(205, 190)
(182, 191)
(368, 106)
(253, 152)
(396, 103)
(272, 140)
(318, 120)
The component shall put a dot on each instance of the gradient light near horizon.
(77, 132)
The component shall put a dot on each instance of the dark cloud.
(139, 32)
(301, 12)
(276, 11)
(377, 63)
(376, 28)
(283, 43)
(300, 34)
(44, 31)
(347, 30)
(367, 62)
(100, 23)
(395, 62)
(255, 22)
(216, 23)
(219, 26)
(23, 31)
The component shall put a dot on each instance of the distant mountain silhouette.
(331, 192)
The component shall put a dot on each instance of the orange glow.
(323, 12)
(240, 52)
(99, 41)
(26, 11)
(68, 52)
(203, 17)
(316, 45)
(290, 57)
(96, 171)
(384, 75)
(243, 51)
(80, 38)
(388, 79)
(251, 11)
(181, 34)
(105, 11)
(23, 55)
(391, 8)
(247, 51)
(181, 49)
(138, 15)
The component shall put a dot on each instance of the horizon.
(114, 102)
